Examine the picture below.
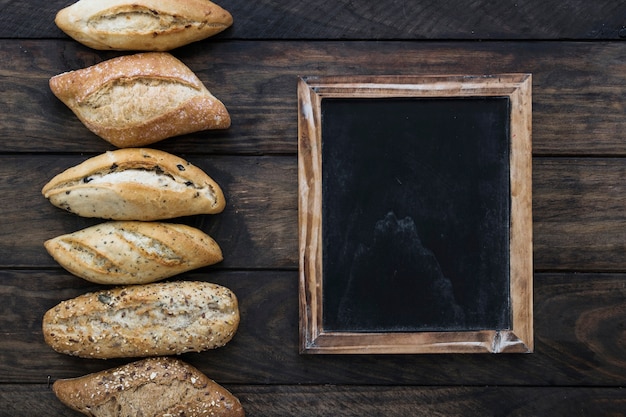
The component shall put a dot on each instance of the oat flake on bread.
(159, 319)
(151, 387)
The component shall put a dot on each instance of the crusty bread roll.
(136, 100)
(135, 184)
(142, 25)
(149, 388)
(163, 318)
(132, 252)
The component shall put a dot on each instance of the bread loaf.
(142, 25)
(165, 318)
(149, 388)
(132, 252)
(137, 100)
(135, 184)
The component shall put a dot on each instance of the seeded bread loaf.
(135, 184)
(165, 318)
(137, 100)
(132, 252)
(150, 388)
(142, 25)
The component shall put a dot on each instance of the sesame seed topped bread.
(136, 100)
(164, 318)
(142, 25)
(150, 387)
(133, 252)
(135, 184)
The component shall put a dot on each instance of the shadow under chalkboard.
(415, 214)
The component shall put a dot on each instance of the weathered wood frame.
(313, 338)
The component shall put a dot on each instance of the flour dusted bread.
(135, 184)
(136, 100)
(164, 318)
(149, 388)
(133, 252)
(143, 25)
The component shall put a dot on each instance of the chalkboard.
(415, 225)
(415, 209)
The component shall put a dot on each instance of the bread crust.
(149, 387)
(136, 100)
(135, 184)
(133, 252)
(142, 25)
(164, 318)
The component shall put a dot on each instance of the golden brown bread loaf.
(133, 252)
(142, 25)
(164, 318)
(135, 184)
(149, 388)
(136, 100)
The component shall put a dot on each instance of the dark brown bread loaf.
(149, 388)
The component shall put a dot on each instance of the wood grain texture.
(383, 19)
(579, 89)
(357, 401)
(579, 214)
(578, 342)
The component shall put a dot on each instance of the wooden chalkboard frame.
(314, 339)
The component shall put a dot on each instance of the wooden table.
(577, 56)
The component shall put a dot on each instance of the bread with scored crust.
(135, 184)
(150, 387)
(136, 100)
(159, 319)
(133, 252)
(142, 25)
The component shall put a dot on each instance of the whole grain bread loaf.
(142, 25)
(136, 100)
(151, 387)
(164, 318)
(133, 252)
(135, 184)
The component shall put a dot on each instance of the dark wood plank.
(577, 208)
(579, 89)
(383, 19)
(358, 401)
(330, 401)
(578, 327)
(578, 213)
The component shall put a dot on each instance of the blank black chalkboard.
(415, 214)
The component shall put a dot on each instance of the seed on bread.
(133, 252)
(166, 318)
(151, 387)
(135, 184)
